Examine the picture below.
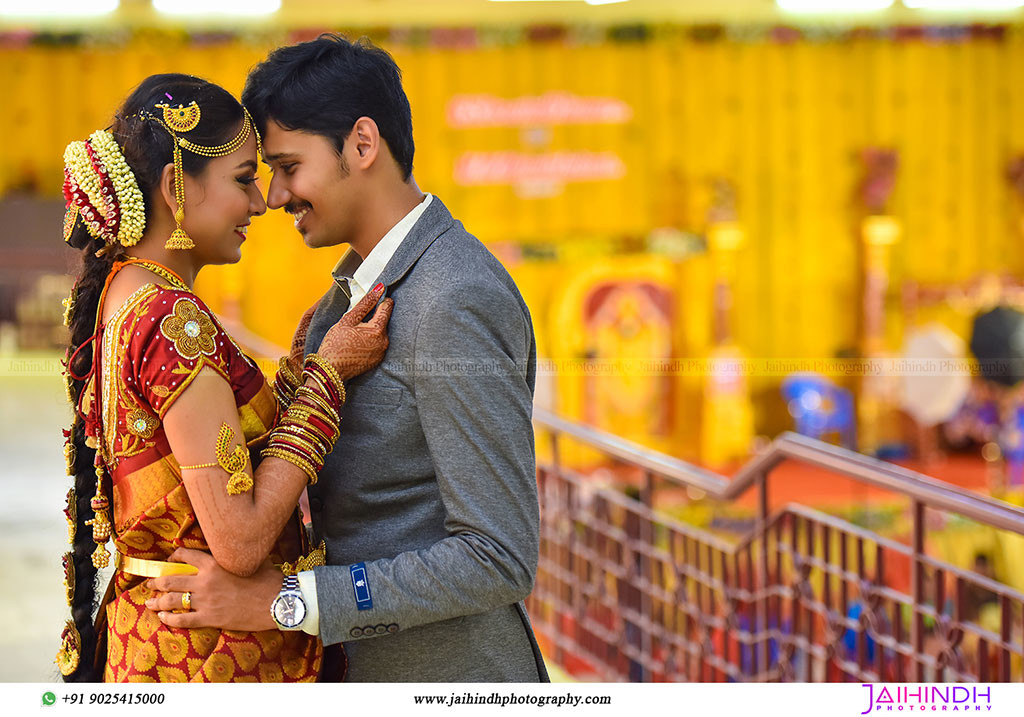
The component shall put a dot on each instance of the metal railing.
(624, 592)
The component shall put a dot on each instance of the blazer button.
(316, 505)
(356, 632)
(393, 627)
(381, 629)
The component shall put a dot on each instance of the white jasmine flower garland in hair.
(100, 183)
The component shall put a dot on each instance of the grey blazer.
(432, 485)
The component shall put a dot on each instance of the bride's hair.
(147, 149)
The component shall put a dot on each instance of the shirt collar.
(361, 273)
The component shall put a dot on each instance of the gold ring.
(186, 601)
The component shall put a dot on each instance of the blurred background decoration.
(728, 217)
(614, 143)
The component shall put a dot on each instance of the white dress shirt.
(362, 275)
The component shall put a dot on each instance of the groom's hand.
(219, 598)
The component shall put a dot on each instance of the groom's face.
(312, 183)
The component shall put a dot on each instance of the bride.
(178, 440)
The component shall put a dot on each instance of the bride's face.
(220, 202)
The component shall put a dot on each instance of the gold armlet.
(233, 460)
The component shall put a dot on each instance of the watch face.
(289, 609)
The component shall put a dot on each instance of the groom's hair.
(323, 86)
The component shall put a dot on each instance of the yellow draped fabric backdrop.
(782, 121)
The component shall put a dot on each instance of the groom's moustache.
(294, 208)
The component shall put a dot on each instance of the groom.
(428, 504)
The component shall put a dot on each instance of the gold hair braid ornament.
(70, 454)
(70, 652)
(71, 514)
(233, 460)
(70, 219)
(185, 119)
(69, 304)
(69, 578)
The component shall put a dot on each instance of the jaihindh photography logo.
(931, 698)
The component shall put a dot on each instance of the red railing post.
(699, 608)
(759, 584)
(917, 586)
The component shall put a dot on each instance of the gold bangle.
(305, 393)
(332, 372)
(302, 414)
(284, 368)
(305, 466)
(304, 441)
(316, 448)
(320, 382)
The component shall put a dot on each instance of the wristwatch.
(289, 609)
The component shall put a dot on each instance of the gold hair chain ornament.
(179, 238)
(233, 460)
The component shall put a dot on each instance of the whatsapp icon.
(49, 698)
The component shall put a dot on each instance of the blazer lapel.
(436, 220)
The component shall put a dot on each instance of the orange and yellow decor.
(608, 137)
(727, 421)
(612, 351)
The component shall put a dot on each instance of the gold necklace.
(162, 271)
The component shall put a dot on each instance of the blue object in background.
(1011, 442)
(850, 636)
(820, 407)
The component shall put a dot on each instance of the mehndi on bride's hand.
(353, 346)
